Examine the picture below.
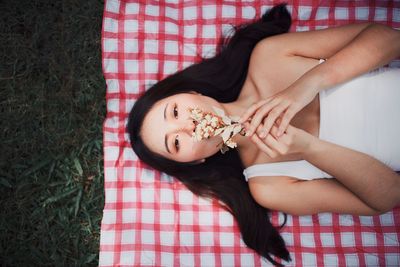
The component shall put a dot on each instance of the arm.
(373, 46)
(368, 178)
(363, 185)
(298, 197)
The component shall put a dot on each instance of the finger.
(282, 139)
(263, 147)
(275, 144)
(270, 120)
(251, 110)
(246, 126)
(259, 130)
(274, 131)
(260, 114)
(287, 117)
(272, 141)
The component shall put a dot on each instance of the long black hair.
(220, 176)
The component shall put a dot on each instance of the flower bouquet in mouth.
(209, 124)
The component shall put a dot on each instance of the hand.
(293, 141)
(291, 100)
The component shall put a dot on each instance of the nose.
(189, 126)
(186, 126)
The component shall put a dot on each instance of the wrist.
(314, 145)
(316, 79)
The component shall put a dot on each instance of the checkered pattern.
(150, 218)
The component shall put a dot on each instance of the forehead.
(152, 129)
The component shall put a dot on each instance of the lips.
(206, 123)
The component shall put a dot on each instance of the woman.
(276, 84)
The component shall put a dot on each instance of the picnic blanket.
(150, 218)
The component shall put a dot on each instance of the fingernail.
(263, 134)
(247, 134)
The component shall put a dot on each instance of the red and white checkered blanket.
(150, 218)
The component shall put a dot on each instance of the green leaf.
(78, 201)
(89, 258)
(60, 196)
(78, 166)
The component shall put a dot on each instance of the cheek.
(191, 146)
(206, 148)
(193, 149)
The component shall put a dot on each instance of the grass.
(52, 96)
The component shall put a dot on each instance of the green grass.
(52, 96)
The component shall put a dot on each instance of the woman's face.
(167, 128)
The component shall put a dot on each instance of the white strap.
(300, 169)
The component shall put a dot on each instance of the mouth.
(206, 124)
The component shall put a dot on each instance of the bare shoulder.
(305, 197)
(271, 70)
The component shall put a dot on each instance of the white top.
(362, 114)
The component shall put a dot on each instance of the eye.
(176, 143)
(175, 111)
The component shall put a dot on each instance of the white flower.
(230, 143)
(209, 124)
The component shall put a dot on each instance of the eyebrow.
(166, 136)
